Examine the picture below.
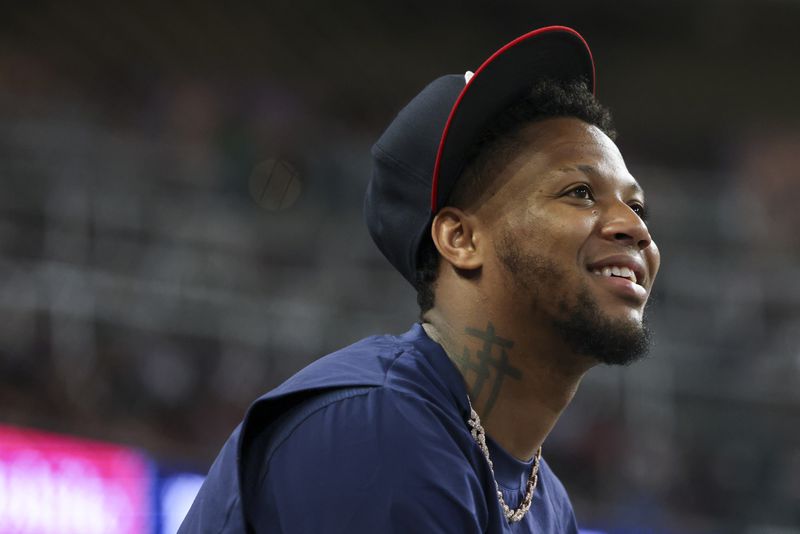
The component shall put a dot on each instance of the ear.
(458, 239)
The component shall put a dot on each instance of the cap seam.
(398, 163)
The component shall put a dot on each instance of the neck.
(518, 384)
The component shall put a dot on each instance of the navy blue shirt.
(370, 439)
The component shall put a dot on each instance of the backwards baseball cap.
(419, 158)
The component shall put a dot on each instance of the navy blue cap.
(420, 156)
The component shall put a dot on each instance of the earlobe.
(456, 236)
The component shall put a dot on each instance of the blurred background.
(181, 230)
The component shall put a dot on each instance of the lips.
(620, 266)
(622, 272)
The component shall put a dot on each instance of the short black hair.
(495, 146)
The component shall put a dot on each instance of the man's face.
(570, 242)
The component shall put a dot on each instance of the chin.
(612, 339)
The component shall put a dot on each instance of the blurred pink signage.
(52, 484)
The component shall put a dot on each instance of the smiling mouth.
(619, 272)
(622, 281)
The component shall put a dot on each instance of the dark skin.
(567, 198)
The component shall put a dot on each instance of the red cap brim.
(553, 52)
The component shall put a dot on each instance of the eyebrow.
(588, 169)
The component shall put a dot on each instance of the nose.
(625, 227)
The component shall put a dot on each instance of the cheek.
(554, 234)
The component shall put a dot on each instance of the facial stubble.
(577, 317)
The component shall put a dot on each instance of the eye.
(640, 210)
(580, 191)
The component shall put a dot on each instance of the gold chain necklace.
(479, 434)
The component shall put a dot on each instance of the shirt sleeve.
(379, 462)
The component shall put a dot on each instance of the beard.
(590, 332)
(576, 316)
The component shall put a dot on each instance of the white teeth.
(627, 273)
(622, 272)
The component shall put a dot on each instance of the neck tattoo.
(479, 435)
(489, 365)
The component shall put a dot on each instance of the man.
(501, 197)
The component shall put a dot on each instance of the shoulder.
(380, 457)
(407, 363)
(388, 360)
(364, 362)
(385, 420)
(370, 361)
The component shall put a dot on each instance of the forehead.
(568, 144)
